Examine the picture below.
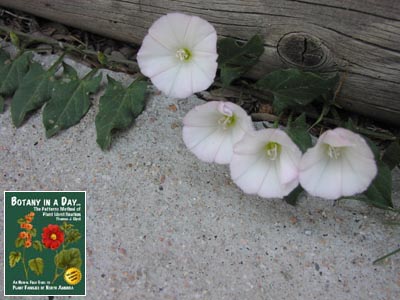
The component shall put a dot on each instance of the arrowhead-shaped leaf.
(70, 100)
(12, 72)
(14, 258)
(392, 155)
(299, 134)
(118, 108)
(293, 87)
(35, 89)
(379, 192)
(36, 265)
(234, 59)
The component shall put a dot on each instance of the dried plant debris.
(46, 37)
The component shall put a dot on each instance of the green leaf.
(101, 58)
(298, 132)
(235, 59)
(294, 88)
(4, 57)
(35, 89)
(72, 236)
(65, 226)
(379, 192)
(12, 72)
(229, 74)
(70, 100)
(37, 245)
(14, 39)
(14, 258)
(68, 258)
(294, 195)
(19, 242)
(118, 108)
(392, 155)
(20, 221)
(33, 232)
(36, 265)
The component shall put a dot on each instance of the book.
(44, 243)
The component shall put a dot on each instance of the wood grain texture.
(359, 37)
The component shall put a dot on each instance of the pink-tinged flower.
(210, 130)
(340, 164)
(265, 163)
(179, 54)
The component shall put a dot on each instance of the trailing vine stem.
(30, 39)
(262, 96)
(329, 121)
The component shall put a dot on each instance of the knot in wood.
(302, 50)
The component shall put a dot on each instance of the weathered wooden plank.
(359, 37)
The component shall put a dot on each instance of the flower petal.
(257, 173)
(203, 74)
(289, 166)
(203, 115)
(207, 46)
(273, 187)
(182, 84)
(165, 81)
(338, 137)
(359, 171)
(153, 64)
(210, 139)
(348, 173)
(170, 29)
(249, 171)
(208, 148)
(251, 143)
(179, 75)
(225, 150)
(193, 136)
(152, 48)
(200, 31)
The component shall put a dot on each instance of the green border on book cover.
(44, 243)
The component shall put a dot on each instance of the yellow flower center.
(334, 152)
(227, 121)
(273, 150)
(183, 54)
(53, 236)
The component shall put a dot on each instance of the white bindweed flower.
(340, 164)
(179, 54)
(265, 163)
(210, 130)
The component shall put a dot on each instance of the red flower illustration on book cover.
(52, 237)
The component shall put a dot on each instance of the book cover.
(44, 243)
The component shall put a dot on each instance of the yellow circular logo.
(73, 276)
